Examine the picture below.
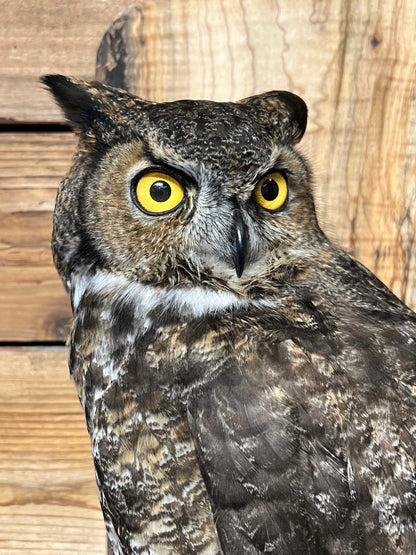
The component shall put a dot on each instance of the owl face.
(189, 191)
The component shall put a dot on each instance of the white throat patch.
(191, 301)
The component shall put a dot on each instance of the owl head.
(184, 192)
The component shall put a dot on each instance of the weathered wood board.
(47, 36)
(33, 303)
(48, 497)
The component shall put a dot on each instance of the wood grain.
(34, 160)
(48, 497)
(47, 36)
(33, 303)
(353, 62)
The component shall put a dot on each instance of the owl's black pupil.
(270, 189)
(160, 191)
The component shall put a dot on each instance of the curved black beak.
(238, 242)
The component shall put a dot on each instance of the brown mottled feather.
(150, 486)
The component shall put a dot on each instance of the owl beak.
(238, 242)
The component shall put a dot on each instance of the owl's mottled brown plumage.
(248, 387)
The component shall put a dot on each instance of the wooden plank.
(48, 497)
(34, 160)
(33, 303)
(47, 36)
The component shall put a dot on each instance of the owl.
(247, 386)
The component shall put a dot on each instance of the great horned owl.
(248, 387)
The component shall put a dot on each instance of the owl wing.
(307, 444)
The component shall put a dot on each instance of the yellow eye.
(271, 191)
(158, 193)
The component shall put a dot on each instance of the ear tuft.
(75, 98)
(96, 110)
(284, 111)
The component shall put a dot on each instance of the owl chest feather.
(128, 367)
(263, 415)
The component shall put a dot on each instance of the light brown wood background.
(354, 62)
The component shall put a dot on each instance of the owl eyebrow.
(277, 165)
(173, 169)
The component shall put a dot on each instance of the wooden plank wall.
(353, 61)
